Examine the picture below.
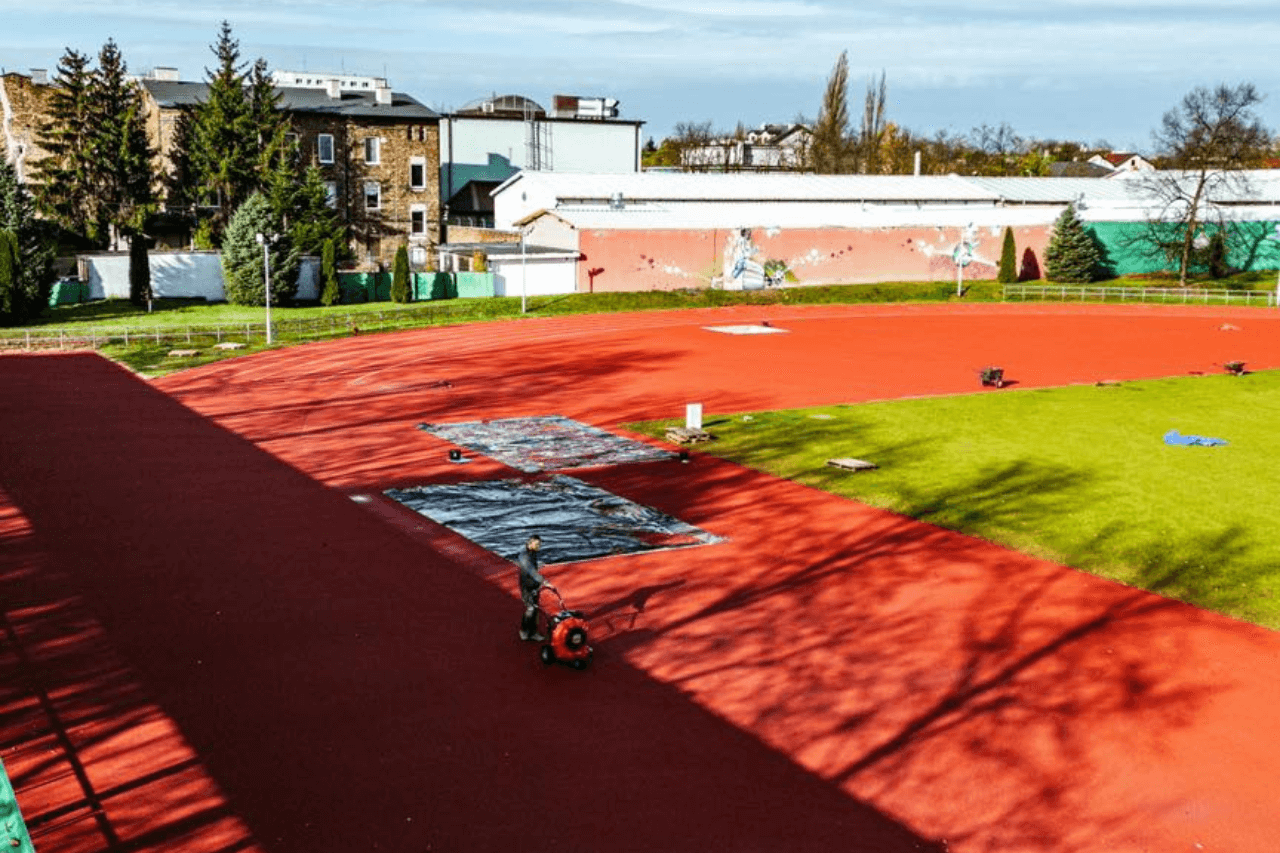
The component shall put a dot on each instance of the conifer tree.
(330, 293)
(223, 153)
(400, 276)
(32, 251)
(66, 193)
(829, 152)
(242, 261)
(1008, 259)
(1072, 255)
(122, 154)
(10, 272)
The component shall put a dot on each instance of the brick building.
(379, 151)
(24, 104)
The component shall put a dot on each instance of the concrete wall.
(617, 260)
(177, 275)
(538, 276)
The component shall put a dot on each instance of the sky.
(1082, 70)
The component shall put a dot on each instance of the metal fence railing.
(1179, 295)
(204, 335)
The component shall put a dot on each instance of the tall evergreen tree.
(122, 155)
(1072, 255)
(1008, 259)
(33, 247)
(829, 145)
(309, 218)
(67, 193)
(223, 154)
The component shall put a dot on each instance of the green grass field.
(1080, 475)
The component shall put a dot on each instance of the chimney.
(917, 172)
(40, 76)
(382, 95)
(333, 87)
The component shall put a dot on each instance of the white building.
(491, 139)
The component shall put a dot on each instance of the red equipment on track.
(568, 637)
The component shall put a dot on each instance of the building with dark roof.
(379, 151)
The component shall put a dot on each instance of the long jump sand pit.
(828, 677)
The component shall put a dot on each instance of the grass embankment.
(1080, 475)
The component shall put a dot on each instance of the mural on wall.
(955, 254)
(747, 268)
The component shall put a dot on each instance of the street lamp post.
(265, 242)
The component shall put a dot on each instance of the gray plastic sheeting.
(575, 520)
(546, 443)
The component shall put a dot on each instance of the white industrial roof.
(772, 187)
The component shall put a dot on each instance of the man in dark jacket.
(531, 584)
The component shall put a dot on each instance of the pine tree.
(400, 276)
(66, 193)
(1008, 259)
(309, 217)
(1072, 255)
(34, 247)
(122, 154)
(223, 154)
(829, 146)
(242, 255)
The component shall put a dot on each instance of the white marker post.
(264, 241)
(693, 416)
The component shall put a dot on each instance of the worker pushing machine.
(566, 639)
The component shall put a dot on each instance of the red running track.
(213, 648)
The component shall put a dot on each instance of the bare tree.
(693, 142)
(871, 136)
(829, 145)
(1205, 141)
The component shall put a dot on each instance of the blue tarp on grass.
(1174, 437)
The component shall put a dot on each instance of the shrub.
(1072, 255)
(1008, 260)
(330, 292)
(242, 256)
(400, 276)
(479, 261)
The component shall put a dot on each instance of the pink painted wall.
(617, 260)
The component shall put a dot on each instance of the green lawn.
(1079, 475)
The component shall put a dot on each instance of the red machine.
(568, 640)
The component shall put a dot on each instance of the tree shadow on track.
(322, 681)
(913, 665)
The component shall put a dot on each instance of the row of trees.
(102, 181)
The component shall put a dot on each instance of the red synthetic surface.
(210, 647)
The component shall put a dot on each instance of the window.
(418, 173)
(372, 150)
(418, 256)
(331, 193)
(324, 148)
(418, 220)
(372, 195)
